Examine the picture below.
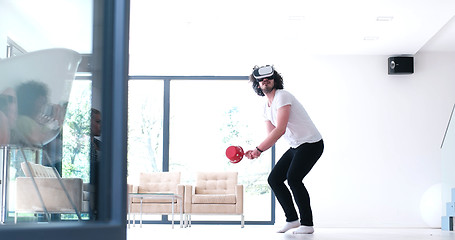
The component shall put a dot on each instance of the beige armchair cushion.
(157, 182)
(216, 183)
(160, 182)
(214, 198)
(214, 193)
(38, 170)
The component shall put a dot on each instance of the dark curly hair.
(27, 95)
(278, 80)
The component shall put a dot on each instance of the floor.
(253, 232)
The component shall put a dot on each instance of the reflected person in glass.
(38, 122)
(8, 114)
(4, 125)
(95, 150)
(286, 117)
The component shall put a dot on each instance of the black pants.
(293, 166)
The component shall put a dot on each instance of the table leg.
(173, 202)
(129, 211)
(140, 221)
(181, 213)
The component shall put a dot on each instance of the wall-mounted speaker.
(401, 65)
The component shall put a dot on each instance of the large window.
(207, 116)
(76, 132)
(188, 129)
(145, 127)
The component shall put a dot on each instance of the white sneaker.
(304, 230)
(289, 225)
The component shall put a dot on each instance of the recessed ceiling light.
(371, 38)
(296, 18)
(384, 18)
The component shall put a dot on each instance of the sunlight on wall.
(430, 206)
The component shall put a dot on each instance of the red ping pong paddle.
(234, 153)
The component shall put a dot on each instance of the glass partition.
(11, 159)
(34, 116)
(37, 75)
(57, 80)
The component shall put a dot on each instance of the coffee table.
(172, 196)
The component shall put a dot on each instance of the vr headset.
(263, 72)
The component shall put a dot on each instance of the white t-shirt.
(300, 129)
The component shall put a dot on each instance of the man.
(8, 114)
(286, 117)
(95, 128)
(95, 149)
(38, 121)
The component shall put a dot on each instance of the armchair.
(52, 197)
(156, 182)
(214, 193)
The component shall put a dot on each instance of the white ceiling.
(373, 27)
(444, 40)
(237, 26)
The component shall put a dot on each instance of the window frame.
(166, 131)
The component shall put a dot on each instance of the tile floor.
(252, 232)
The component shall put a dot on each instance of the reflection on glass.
(13, 170)
(38, 107)
(35, 100)
(44, 135)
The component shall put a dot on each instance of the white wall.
(381, 166)
(382, 134)
(448, 166)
